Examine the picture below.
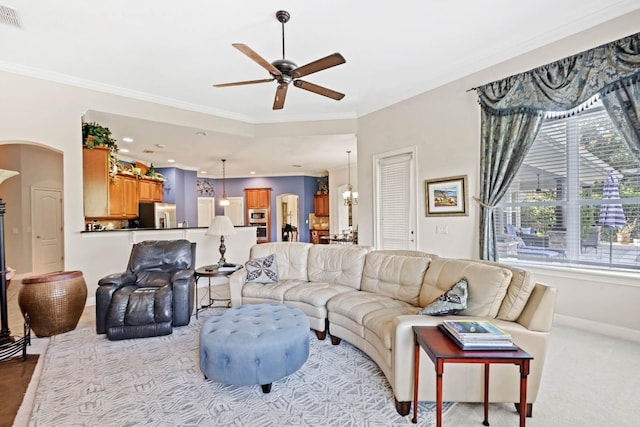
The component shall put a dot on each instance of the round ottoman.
(54, 301)
(254, 344)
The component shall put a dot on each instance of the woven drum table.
(54, 301)
(254, 344)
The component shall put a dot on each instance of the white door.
(46, 214)
(235, 210)
(395, 201)
(206, 211)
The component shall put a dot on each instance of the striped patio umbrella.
(611, 214)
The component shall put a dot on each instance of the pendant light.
(350, 197)
(225, 200)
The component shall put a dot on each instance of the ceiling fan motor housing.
(285, 67)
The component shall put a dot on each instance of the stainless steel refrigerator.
(157, 215)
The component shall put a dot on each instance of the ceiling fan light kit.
(285, 71)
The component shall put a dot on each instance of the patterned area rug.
(90, 381)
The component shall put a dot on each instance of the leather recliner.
(153, 295)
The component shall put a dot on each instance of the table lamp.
(221, 226)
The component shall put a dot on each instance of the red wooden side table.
(441, 349)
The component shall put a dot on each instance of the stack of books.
(477, 335)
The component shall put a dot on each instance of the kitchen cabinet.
(123, 197)
(107, 197)
(321, 204)
(257, 198)
(150, 190)
(258, 212)
(316, 237)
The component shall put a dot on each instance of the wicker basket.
(54, 301)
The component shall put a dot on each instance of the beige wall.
(443, 124)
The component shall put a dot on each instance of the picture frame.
(446, 196)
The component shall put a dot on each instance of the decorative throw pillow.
(262, 270)
(451, 302)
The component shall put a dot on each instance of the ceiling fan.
(286, 71)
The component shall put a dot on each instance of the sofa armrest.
(118, 280)
(236, 282)
(537, 314)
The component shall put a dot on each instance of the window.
(559, 207)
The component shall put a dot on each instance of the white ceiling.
(172, 52)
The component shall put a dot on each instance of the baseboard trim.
(598, 327)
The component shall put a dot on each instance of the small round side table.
(210, 271)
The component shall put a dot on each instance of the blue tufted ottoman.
(254, 344)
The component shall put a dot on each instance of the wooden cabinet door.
(116, 197)
(158, 191)
(257, 198)
(130, 197)
(123, 197)
(150, 191)
(321, 204)
(264, 199)
(145, 190)
(95, 173)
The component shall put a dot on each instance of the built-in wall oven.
(261, 233)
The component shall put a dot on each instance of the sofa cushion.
(395, 276)
(291, 258)
(340, 264)
(487, 284)
(274, 291)
(315, 293)
(451, 302)
(518, 292)
(262, 270)
(357, 305)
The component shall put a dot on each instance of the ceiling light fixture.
(171, 161)
(225, 200)
(122, 150)
(350, 197)
(127, 139)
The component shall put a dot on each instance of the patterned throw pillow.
(451, 302)
(262, 270)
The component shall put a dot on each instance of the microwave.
(257, 214)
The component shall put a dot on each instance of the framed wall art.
(446, 196)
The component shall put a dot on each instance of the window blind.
(556, 209)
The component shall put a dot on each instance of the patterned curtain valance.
(565, 84)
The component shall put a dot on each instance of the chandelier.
(225, 200)
(350, 197)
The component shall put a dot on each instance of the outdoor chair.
(591, 241)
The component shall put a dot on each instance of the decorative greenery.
(96, 135)
(152, 171)
(629, 228)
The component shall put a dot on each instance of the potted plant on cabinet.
(96, 135)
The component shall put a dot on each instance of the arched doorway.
(288, 217)
(33, 221)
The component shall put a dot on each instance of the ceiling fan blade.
(281, 94)
(257, 58)
(319, 65)
(318, 89)
(247, 82)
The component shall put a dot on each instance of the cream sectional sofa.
(373, 298)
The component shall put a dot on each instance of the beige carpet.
(589, 380)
